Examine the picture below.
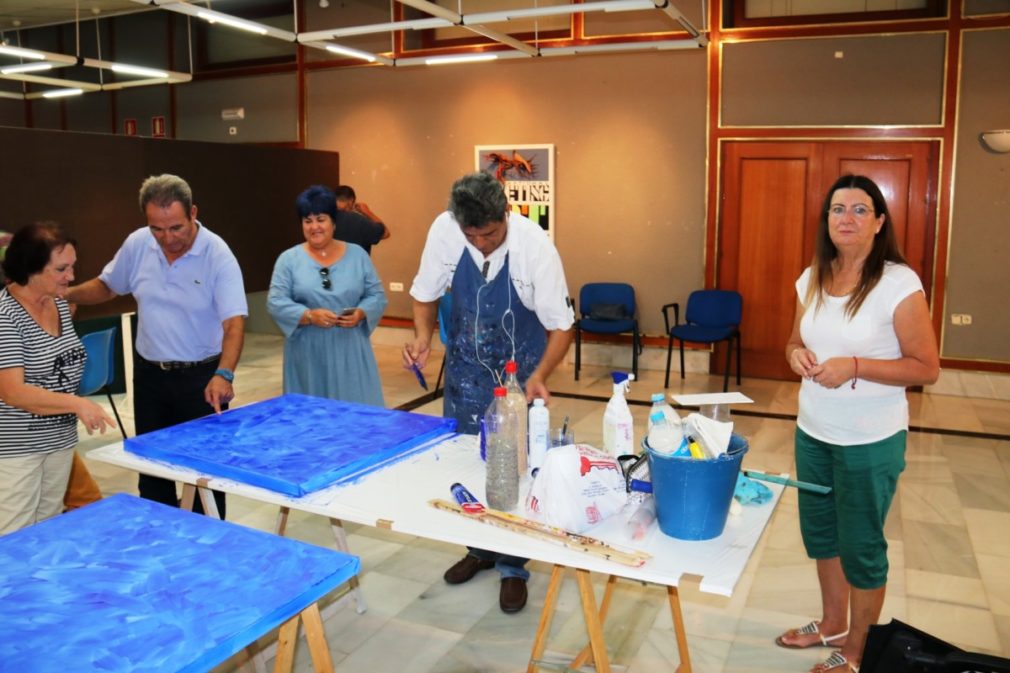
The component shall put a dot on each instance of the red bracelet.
(855, 373)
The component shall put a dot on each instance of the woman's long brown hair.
(885, 248)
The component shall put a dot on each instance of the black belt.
(167, 366)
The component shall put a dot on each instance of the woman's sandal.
(836, 663)
(811, 629)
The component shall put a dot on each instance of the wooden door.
(772, 194)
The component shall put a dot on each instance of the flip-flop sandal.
(836, 663)
(813, 628)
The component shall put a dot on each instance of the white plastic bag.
(576, 487)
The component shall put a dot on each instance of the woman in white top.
(861, 335)
(41, 363)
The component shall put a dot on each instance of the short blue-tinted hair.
(316, 200)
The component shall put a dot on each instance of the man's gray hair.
(163, 190)
(477, 200)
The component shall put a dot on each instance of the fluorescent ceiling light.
(535, 12)
(619, 46)
(461, 58)
(353, 53)
(137, 70)
(23, 53)
(414, 24)
(26, 67)
(217, 17)
(59, 93)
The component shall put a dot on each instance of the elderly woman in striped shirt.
(41, 363)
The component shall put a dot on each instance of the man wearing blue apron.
(510, 301)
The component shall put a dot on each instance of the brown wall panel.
(880, 79)
(89, 183)
(978, 273)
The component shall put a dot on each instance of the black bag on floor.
(900, 648)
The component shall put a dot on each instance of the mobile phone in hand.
(348, 311)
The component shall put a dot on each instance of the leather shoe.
(512, 597)
(464, 570)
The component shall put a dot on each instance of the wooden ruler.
(541, 531)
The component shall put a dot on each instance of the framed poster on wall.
(527, 173)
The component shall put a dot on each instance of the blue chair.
(444, 313)
(100, 368)
(607, 308)
(712, 316)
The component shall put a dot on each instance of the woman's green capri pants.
(849, 521)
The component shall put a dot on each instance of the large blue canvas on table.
(131, 585)
(293, 444)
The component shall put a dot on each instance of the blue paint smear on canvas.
(293, 444)
(127, 584)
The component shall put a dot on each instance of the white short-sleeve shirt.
(534, 267)
(871, 411)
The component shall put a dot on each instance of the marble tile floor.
(947, 532)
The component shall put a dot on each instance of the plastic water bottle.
(618, 424)
(659, 403)
(540, 423)
(517, 400)
(500, 421)
(663, 436)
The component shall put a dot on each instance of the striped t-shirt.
(55, 363)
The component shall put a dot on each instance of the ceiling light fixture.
(214, 16)
(460, 58)
(25, 67)
(22, 53)
(619, 46)
(556, 10)
(60, 93)
(232, 22)
(138, 70)
(413, 24)
(348, 51)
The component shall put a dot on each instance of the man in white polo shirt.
(191, 311)
(509, 302)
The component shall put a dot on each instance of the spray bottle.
(618, 425)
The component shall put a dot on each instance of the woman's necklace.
(321, 253)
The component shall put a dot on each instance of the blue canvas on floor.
(293, 444)
(130, 585)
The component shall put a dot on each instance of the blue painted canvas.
(293, 444)
(130, 585)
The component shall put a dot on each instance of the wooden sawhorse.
(596, 651)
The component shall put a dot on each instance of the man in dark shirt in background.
(355, 222)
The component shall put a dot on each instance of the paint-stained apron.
(469, 386)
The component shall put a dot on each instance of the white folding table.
(396, 498)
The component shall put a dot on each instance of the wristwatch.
(227, 374)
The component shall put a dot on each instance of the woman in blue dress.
(327, 299)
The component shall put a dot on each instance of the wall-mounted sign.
(527, 174)
(129, 127)
(157, 127)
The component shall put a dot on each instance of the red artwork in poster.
(158, 127)
(129, 127)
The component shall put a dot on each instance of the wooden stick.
(541, 531)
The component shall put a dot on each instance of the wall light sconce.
(997, 140)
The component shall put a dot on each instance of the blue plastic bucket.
(693, 496)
